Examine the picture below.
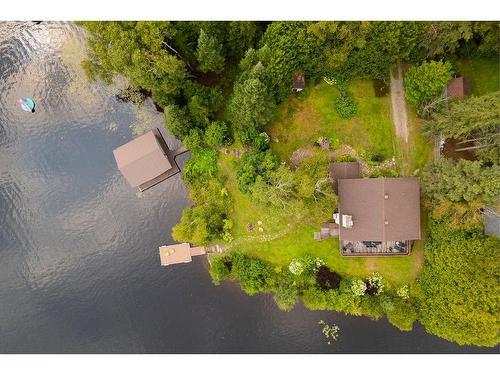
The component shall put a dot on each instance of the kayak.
(27, 104)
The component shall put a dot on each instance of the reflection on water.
(79, 268)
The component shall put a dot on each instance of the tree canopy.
(461, 294)
(209, 53)
(476, 119)
(426, 81)
(457, 190)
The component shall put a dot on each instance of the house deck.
(374, 248)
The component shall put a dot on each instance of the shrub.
(358, 287)
(371, 306)
(220, 268)
(374, 285)
(194, 139)
(383, 172)
(201, 166)
(296, 267)
(403, 315)
(345, 106)
(261, 142)
(177, 120)
(345, 158)
(252, 273)
(286, 297)
(200, 224)
(327, 279)
(403, 291)
(216, 134)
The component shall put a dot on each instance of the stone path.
(399, 113)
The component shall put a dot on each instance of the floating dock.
(183, 253)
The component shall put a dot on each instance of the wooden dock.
(183, 253)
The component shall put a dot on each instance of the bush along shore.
(258, 173)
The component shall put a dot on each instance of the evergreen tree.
(209, 53)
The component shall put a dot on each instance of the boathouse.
(146, 160)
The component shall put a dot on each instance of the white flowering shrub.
(358, 287)
(403, 291)
(375, 283)
(330, 80)
(319, 262)
(296, 267)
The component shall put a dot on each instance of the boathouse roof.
(144, 159)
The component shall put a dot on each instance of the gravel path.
(399, 113)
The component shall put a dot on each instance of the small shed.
(343, 170)
(458, 88)
(299, 82)
(145, 161)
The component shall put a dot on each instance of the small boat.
(27, 104)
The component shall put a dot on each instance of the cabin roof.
(382, 209)
(143, 158)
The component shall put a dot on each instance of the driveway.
(399, 113)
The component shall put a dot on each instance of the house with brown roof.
(378, 216)
(457, 88)
(146, 160)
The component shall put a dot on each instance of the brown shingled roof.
(343, 170)
(458, 88)
(382, 209)
(143, 158)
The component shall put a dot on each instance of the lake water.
(79, 264)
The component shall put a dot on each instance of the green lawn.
(303, 119)
(483, 74)
(419, 150)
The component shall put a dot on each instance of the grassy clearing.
(483, 74)
(420, 148)
(302, 120)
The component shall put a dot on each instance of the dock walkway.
(183, 253)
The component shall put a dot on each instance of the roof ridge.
(142, 157)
